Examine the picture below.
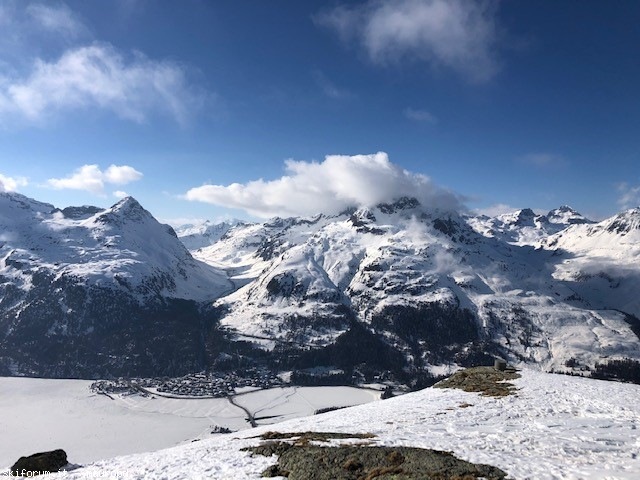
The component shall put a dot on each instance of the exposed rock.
(300, 459)
(485, 380)
(40, 463)
(446, 226)
(403, 203)
(83, 212)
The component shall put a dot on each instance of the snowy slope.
(600, 261)
(556, 427)
(200, 235)
(298, 292)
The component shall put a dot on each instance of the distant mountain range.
(203, 234)
(398, 289)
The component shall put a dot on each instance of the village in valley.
(200, 385)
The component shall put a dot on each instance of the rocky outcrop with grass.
(484, 380)
(302, 456)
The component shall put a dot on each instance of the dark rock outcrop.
(40, 463)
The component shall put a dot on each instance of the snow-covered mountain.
(414, 288)
(203, 234)
(85, 290)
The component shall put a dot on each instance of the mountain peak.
(127, 203)
(566, 215)
(525, 216)
(565, 208)
(402, 203)
(625, 222)
(126, 210)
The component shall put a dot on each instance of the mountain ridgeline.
(395, 290)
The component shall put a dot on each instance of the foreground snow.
(555, 427)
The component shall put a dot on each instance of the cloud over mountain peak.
(339, 182)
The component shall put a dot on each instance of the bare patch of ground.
(306, 437)
(299, 459)
(484, 380)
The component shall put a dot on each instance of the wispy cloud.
(99, 77)
(28, 29)
(495, 210)
(628, 196)
(58, 19)
(420, 115)
(91, 179)
(543, 160)
(84, 74)
(339, 182)
(11, 184)
(181, 221)
(127, 8)
(329, 88)
(454, 34)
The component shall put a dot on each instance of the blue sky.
(213, 109)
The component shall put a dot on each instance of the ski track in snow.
(556, 427)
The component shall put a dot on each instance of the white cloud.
(120, 194)
(629, 197)
(543, 160)
(91, 179)
(121, 175)
(87, 177)
(97, 76)
(56, 19)
(339, 182)
(455, 34)
(420, 115)
(11, 184)
(181, 221)
(30, 28)
(495, 210)
(329, 88)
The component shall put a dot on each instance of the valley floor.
(45, 414)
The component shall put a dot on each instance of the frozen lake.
(44, 414)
